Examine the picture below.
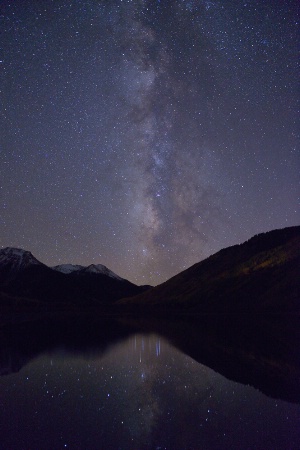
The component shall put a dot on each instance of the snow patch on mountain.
(100, 269)
(93, 268)
(67, 268)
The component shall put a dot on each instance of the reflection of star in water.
(157, 347)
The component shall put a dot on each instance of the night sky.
(146, 135)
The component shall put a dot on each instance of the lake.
(111, 386)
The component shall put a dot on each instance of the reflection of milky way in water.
(142, 394)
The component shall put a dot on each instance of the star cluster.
(146, 135)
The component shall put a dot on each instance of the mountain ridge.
(262, 269)
(259, 275)
(22, 276)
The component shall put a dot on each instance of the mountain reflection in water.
(114, 384)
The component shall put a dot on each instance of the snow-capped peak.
(93, 268)
(17, 258)
(68, 268)
(99, 268)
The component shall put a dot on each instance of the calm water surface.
(140, 394)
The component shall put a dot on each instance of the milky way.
(146, 135)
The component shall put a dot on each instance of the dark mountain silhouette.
(25, 280)
(260, 275)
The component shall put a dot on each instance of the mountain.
(260, 275)
(24, 278)
(13, 261)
